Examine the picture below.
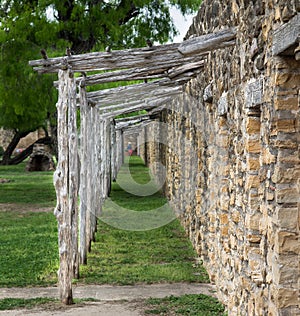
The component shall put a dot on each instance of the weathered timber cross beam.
(127, 119)
(139, 57)
(133, 122)
(131, 93)
(155, 102)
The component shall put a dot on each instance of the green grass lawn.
(28, 240)
(26, 187)
(190, 305)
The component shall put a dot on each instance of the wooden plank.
(208, 42)
(286, 36)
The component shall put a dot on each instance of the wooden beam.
(208, 42)
(133, 121)
(161, 70)
(160, 55)
(120, 59)
(127, 119)
(138, 107)
(131, 93)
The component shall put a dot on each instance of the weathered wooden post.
(66, 183)
(83, 172)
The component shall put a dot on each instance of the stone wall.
(231, 151)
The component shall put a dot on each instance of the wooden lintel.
(208, 42)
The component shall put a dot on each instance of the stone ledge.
(286, 38)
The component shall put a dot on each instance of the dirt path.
(111, 300)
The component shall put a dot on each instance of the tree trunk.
(8, 160)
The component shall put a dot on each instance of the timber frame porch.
(88, 163)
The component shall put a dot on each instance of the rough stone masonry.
(231, 156)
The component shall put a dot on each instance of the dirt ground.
(111, 300)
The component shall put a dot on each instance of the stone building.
(230, 145)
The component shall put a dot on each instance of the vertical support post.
(73, 171)
(88, 176)
(66, 182)
(92, 178)
(83, 172)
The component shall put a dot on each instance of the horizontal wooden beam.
(144, 57)
(132, 93)
(208, 42)
(151, 104)
(130, 118)
(120, 59)
(170, 70)
(133, 121)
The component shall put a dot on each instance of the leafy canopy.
(26, 99)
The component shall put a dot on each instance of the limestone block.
(267, 156)
(253, 125)
(253, 146)
(287, 194)
(287, 242)
(287, 80)
(288, 156)
(253, 92)
(286, 175)
(287, 35)
(253, 163)
(289, 102)
(235, 216)
(253, 238)
(286, 270)
(287, 125)
(252, 221)
(252, 181)
(286, 143)
(255, 266)
(208, 94)
(285, 297)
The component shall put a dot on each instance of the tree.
(26, 101)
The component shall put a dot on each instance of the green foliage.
(27, 101)
(191, 305)
(1, 151)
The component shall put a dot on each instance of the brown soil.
(15, 207)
